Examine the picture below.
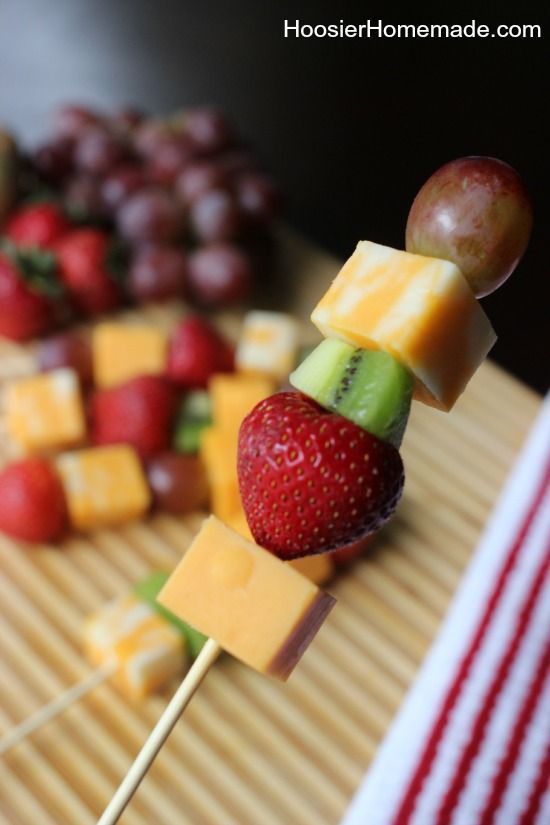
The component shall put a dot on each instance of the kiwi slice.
(148, 589)
(193, 416)
(369, 387)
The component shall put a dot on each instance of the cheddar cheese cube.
(45, 411)
(268, 344)
(219, 455)
(420, 310)
(318, 569)
(103, 486)
(121, 352)
(233, 396)
(145, 650)
(254, 605)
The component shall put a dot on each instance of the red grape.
(200, 177)
(98, 151)
(149, 135)
(82, 198)
(158, 273)
(215, 216)
(345, 555)
(71, 121)
(475, 212)
(238, 161)
(68, 349)
(258, 196)
(150, 216)
(120, 184)
(171, 155)
(126, 119)
(208, 128)
(54, 160)
(178, 482)
(219, 274)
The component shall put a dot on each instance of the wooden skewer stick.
(160, 733)
(54, 708)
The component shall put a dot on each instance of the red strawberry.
(25, 310)
(32, 501)
(196, 352)
(83, 257)
(38, 225)
(310, 480)
(138, 412)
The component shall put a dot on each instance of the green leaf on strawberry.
(36, 267)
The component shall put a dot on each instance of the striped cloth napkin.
(471, 744)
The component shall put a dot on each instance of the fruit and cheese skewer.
(141, 646)
(312, 480)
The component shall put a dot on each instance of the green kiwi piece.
(148, 589)
(194, 415)
(369, 387)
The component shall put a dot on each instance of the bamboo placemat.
(250, 751)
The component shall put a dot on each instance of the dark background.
(351, 128)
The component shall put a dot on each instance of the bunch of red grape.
(186, 196)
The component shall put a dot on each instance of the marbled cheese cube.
(257, 607)
(420, 310)
(124, 351)
(45, 411)
(103, 486)
(268, 344)
(146, 650)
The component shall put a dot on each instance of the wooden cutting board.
(250, 751)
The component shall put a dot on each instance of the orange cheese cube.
(254, 605)
(45, 411)
(145, 650)
(420, 310)
(103, 485)
(121, 352)
(268, 344)
(318, 569)
(234, 396)
(218, 451)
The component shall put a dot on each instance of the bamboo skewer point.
(54, 708)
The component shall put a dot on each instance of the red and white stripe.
(471, 745)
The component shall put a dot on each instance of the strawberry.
(196, 352)
(38, 225)
(83, 260)
(25, 306)
(310, 480)
(138, 412)
(32, 501)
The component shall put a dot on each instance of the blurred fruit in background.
(179, 201)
